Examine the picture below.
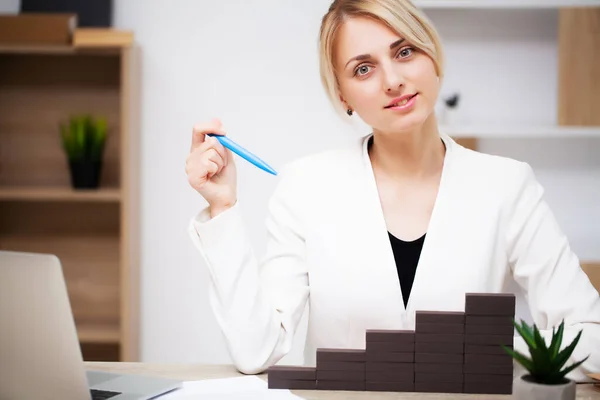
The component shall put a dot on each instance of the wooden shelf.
(85, 41)
(511, 132)
(59, 194)
(94, 232)
(505, 4)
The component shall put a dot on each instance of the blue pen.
(245, 154)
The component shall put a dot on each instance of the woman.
(405, 220)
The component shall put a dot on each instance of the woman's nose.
(393, 79)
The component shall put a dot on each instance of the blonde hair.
(402, 16)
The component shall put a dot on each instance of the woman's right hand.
(210, 168)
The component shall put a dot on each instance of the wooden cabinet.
(94, 232)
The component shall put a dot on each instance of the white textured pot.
(524, 388)
(450, 116)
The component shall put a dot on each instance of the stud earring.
(349, 112)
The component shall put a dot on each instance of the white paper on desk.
(243, 388)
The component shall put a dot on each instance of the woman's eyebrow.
(362, 57)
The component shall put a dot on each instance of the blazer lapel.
(433, 255)
(380, 252)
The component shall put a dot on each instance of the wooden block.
(341, 385)
(448, 376)
(438, 368)
(485, 349)
(378, 335)
(440, 317)
(292, 384)
(390, 386)
(488, 388)
(485, 359)
(489, 369)
(391, 356)
(473, 338)
(407, 368)
(341, 366)
(291, 372)
(439, 338)
(490, 304)
(402, 347)
(390, 376)
(433, 358)
(434, 327)
(340, 375)
(490, 329)
(329, 354)
(488, 378)
(444, 348)
(489, 320)
(439, 387)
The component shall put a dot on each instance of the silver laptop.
(40, 356)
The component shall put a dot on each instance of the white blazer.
(328, 247)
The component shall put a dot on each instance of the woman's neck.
(410, 155)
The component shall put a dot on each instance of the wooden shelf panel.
(98, 333)
(59, 50)
(98, 41)
(59, 194)
(499, 132)
(53, 219)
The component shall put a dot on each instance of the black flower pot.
(85, 174)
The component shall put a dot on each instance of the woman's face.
(387, 81)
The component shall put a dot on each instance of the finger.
(215, 144)
(199, 132)
(208, 144)
(211, 168)
(215, 157)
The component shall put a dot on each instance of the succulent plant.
(84, 137)
(546, 364)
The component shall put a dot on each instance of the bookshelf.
(94, 232)
(578, 81)
(505, 4)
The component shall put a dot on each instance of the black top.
(407, 256)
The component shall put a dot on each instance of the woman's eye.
(405, 52)
(363, 69)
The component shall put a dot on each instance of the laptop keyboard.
(102, 394)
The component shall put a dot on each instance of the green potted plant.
(546, 377)
(83, 140)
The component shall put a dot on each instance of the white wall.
(254, 64)
(10, 6)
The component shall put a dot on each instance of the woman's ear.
(344, 101)
(349, 109)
